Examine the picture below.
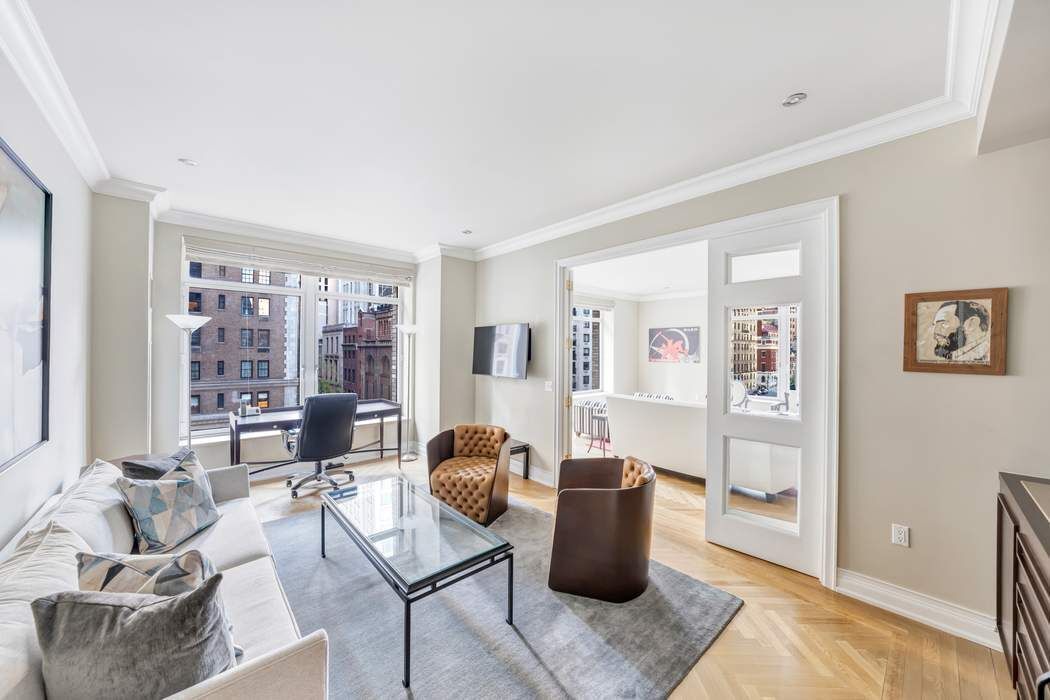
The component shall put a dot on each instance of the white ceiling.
(399, 124)
(670, 272)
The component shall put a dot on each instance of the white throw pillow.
(44, 562)
(94, 509)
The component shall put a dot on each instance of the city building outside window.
(247, 306)
(195, 370)
(264, 276)
(586, 372)
(222, 302)
(221, 334)
(220, 368)
(246, 337)
(264, 337)
(195, 403)
(247, 275)
(195, 338)
(220, 400)
(222, 271)
(246, 369)
(262, 399)
(195, 269)
(263, 369)
(264, 307)
(194, 306)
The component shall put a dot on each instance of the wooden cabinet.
(1023, 583)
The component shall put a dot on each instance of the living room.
(293, 402)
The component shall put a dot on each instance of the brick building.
(248, 350)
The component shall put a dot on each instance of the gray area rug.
(560, 646)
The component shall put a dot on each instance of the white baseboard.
(939, 614)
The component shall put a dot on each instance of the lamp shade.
(406, 328)
(188, 322)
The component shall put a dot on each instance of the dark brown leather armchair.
(469, 469)
(603, 530)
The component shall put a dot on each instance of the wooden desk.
(288, 417)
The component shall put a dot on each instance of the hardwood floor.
(792, 639)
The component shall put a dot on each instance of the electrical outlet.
(900, 535)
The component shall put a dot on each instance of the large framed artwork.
(962, 331)
(678, 344)
(25, 246)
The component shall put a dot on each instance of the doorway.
(763, 431)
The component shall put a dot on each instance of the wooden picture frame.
(961, 331)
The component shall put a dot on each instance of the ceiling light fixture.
(794, 99)
(189, 161)
(466, 232)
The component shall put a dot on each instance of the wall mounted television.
(503, 350)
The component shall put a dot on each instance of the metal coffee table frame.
(427, 586)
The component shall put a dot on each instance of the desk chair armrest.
(228, 483)
(298, 670)
(290, 438)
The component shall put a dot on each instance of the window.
(220, 369)
(195, 403)
(264, 337)
(195, 338)
(246, 337)
(222, 273)
(221, 335)
(247, 275)
(246, 397)
(247, 306)
(246, 369)
(194, 305)
(264, 307)
(195, 269)
(586, 367)
(222, 302)
(220, 400)
(763, 342)
(263, 400)
(264, 276)
(263, 369)
(195, 370)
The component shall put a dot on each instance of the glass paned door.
(768, 380)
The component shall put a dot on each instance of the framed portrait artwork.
(25, 242)
(960, 331)
(680, 344)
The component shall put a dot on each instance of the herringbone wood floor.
(792, 639)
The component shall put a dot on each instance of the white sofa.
(667, 434)
(278, 662)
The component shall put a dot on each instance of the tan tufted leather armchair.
(603, 528)
(469, 469)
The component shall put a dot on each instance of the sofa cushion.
(258, 610)
(131, 645)
(94, 509)
(465, 483)
(44, 562)
(237, 537)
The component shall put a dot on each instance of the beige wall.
(428, 349)
(685, 382)
(120, 318)
(26, 484)
(922, 213)
(457, 342)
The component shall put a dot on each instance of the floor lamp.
(408, 330)
(188, 323)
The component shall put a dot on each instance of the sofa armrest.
(298, 670)
(228, 483)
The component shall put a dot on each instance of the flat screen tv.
(503, 350)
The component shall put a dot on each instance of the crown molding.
(207, 222)
(970, 29)
(24, 45)
(441, 250)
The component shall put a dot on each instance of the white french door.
(772, 388)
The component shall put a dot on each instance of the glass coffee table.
(417, 543)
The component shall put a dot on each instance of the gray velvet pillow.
(153, 466)
(131, 645)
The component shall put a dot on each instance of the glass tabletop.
(414, 534)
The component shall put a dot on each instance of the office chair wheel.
(288, 483)
(295, 494)
(349, 477)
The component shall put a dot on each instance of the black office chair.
(327, 432)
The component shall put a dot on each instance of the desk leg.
(233, 437)
(399, 417)
(382, 422)
(408, 640)
(525, 469)
(510, 589)
(323, 509)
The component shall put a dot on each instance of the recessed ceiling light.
(189, 161)
(794, 99)
(466, 232)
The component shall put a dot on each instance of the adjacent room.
(473, 350)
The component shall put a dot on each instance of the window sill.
(223, 438)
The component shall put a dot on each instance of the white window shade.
(305, 261)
